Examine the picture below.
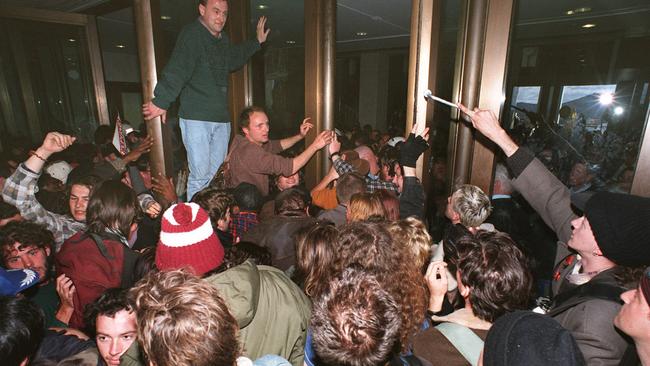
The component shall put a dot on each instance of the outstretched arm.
(305, 126)
(320, 142)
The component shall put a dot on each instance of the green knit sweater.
(198, 72)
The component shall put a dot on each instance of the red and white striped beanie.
(187, 239)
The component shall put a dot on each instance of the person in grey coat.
(613, 235)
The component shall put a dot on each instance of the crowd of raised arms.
(237, 262)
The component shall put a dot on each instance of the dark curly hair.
(369, 245)
(27, 234)
(497, 273)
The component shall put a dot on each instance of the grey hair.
(472, 204)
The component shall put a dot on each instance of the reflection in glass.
(56, 85)
(576, 82)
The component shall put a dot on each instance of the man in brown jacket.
(253, 157)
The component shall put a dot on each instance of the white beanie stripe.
(187, 238)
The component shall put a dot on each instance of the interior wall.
(121, 67)
(373, 89)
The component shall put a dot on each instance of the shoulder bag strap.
(466, 342)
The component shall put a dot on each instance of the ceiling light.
(165, 17)
(120, 46)
(262, 6)
(72, 40)
(362, 34)
(290, 42)
(618, 111)
(588, 25)
(578, 11)
(606, 98)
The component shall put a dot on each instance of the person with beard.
(29, 245)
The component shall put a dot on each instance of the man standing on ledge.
(198, 71)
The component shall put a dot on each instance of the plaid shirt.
(242, 222)
(373, 183)
(19, 190)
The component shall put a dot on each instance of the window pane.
(577, 87)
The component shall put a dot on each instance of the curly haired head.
(183, 321)
(26, 233)
(315, 255)
(414, 237)
(370, 246)
(356, 322)
(496, 272)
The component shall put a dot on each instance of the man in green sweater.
(198, 72)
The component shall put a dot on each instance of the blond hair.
(363, 206)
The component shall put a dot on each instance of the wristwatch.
(335, 154)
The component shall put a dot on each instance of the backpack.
(95, 263)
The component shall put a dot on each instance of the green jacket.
(198, 71)
(273, 313)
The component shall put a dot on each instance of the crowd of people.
(103, 264)
(346, 273)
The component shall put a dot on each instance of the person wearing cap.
(271, 311)
(525, 338)
(634, 317)
(373, 181)
(613, 234)
(14, 281)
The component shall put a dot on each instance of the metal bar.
(146, 53)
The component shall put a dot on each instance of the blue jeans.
(206, 144)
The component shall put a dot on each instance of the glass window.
(577, 89)
(279, 69)
(117, 36)
(372, 49)
(46, 80)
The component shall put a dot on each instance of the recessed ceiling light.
(120, 46)
(262, 6)
(578, 11)
(362, 34)
(290, 42)
(165, 17)
(72, 40)
(588, 25)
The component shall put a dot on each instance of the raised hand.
(305, 126)
(334, 146)
(436, 278)
(165, 187)
(261, 33)
(142, 148)
(66, 290)
(323, 139)
(55, 142)
(487, 123)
